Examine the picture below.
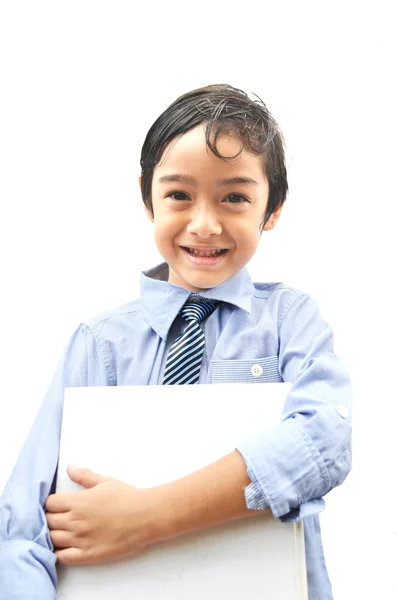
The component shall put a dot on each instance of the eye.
(185, 197)
(235, 199)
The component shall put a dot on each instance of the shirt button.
(343, 411)
(256, 370)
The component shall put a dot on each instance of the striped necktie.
(185, 355)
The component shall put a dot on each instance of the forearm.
(210, 496)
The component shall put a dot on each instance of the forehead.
(190, 153)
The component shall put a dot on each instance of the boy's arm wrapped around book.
(294, 465)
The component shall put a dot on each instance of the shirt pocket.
(250, 370)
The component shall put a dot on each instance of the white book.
(149, 435)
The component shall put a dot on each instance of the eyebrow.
(187, 179)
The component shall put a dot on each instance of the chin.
(195, 281)
(206, 283)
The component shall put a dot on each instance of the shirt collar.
(162, 301)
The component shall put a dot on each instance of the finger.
(85, 477)
(57, 503)
(58, 520)
(70, 556)
(62, 539)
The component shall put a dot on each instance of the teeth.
(205, 252)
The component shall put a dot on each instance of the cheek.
(160, 237)
(164, 232)
(248, 238)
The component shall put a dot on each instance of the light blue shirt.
(291, 468)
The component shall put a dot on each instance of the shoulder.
(123, 313)
(280, 298)
(277, 292)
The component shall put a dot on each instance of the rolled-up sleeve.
(293, 465)
(27, 561)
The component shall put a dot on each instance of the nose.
(204, 222)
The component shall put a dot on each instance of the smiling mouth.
(206, 253)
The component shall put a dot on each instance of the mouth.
(204, 257)
(201, 252)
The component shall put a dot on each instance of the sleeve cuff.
(286, 469)
(307, 509)
(254, 498)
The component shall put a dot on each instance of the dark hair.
(224, 109)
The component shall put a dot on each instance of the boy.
(213, 179)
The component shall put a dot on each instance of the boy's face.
(206, 228)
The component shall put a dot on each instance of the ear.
(272, 220)
(148, 212)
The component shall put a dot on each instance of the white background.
(82, 82)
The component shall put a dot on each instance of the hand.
(108, 521)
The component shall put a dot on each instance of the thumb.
(85, 477)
